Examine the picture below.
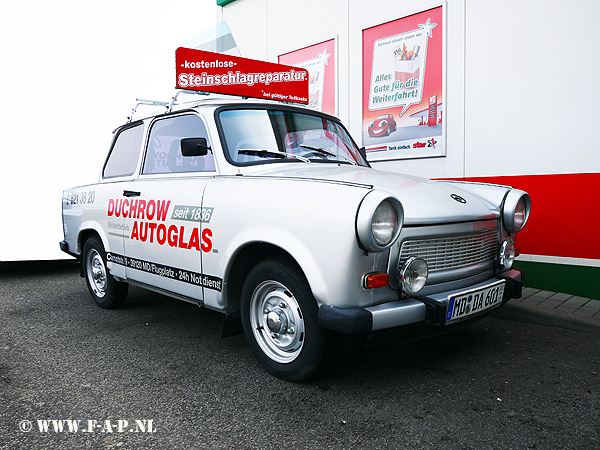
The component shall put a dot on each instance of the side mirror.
(194, 147)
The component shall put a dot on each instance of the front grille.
(452, 252)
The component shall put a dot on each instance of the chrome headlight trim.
(413, 274)
(367, 210)
(516, 209)
(507, 254)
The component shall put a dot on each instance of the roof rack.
(167, 105)
(145, 102)
(183, 91)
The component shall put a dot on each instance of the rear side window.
(123, 157)
(164, 146)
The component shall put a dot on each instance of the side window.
(123, 158)
(164, 148)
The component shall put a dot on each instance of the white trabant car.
(271, 214)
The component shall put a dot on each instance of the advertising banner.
(403, 87)
(199, 70)
(320, 61)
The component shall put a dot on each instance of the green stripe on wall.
(576, 280)
(224, 2)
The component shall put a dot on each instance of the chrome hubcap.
(96, 273)
(277, 321)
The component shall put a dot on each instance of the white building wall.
(520, 75)
(532, 87)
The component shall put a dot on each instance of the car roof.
(220, 100)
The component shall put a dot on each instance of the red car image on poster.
(403, 69)
(382, 125)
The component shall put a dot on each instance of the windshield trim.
(277, 107)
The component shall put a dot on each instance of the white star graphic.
(324, 56)
(428, 27)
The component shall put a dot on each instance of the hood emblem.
(458, 198)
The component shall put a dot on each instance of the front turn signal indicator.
(376, 280)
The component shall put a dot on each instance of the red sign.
(223, 74)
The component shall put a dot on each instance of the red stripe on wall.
(565, 213)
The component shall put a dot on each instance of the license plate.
(464, 305)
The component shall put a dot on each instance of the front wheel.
(107, 292)
(279, 316)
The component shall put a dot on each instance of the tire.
(107, 292)
(279, 317)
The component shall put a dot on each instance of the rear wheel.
(105, 290)
(279, 316)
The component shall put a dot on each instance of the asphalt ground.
(554, 309)
(501, 383)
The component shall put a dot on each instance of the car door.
(118, 174)
(164, 213)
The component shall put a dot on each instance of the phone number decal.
(81, 198)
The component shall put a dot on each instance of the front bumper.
(402, 315)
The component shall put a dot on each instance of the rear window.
(123, 158)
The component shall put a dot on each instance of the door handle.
(131, 193)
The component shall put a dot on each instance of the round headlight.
(515, 211)
(507, 254)
(520, 213)
(384, 223)
(413, 275)
(378, 221)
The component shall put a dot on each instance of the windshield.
(254, 136)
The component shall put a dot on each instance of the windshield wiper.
(264, 151)
(328, 152)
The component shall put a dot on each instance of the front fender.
(313, 222)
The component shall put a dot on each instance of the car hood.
(424, 201)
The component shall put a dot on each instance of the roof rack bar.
(183, 91)
(145, 102)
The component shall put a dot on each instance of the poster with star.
(320, 61)
(403, 87)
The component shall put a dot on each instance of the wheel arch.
(84, 235)
(89, 229)
(246, 258)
